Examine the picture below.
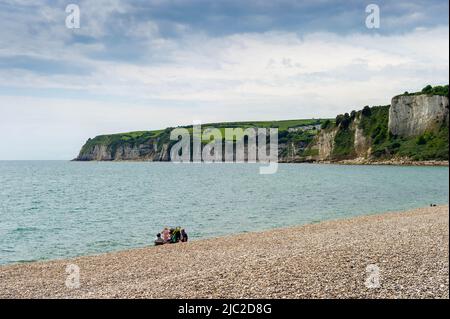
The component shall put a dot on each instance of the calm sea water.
(62, 209)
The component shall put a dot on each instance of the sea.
(61, 209)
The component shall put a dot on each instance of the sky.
(143, 65)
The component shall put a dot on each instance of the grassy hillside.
(163, 136)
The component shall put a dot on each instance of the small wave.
(26, 261)
(25, 229)
(104, 243)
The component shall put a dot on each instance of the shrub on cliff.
(339, 119)
(427, 90)
(344, 144)
(421, 140)
(326, 124)
(366, 111)
(437, 90)
(430, 90)
(343, 120)
(440, 90)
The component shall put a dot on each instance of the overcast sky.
(140, 65)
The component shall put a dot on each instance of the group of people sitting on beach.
(171, 236)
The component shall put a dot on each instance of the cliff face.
(324, 143)
(126, 152)
(414, 115)
(96, 153)
(147, 152)
(362, 142)
(413, 127)
(135, 146)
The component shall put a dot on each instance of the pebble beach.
(406, 253)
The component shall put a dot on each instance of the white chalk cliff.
(413, 115)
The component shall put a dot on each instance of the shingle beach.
(405, 252)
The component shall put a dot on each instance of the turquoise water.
(62, 209)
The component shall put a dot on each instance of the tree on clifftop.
(366, 111)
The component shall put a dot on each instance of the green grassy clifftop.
(148, 145)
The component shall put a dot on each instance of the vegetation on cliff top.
(430, 90)
(112, 141)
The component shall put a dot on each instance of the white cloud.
(275, 75)
(204, 69)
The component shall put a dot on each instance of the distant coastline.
(392, 162)
(412, 130)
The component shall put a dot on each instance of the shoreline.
(363, 162)
(360, 162)
(191, 240)
(395, 163)
(320, 260)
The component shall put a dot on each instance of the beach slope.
(405, 254)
